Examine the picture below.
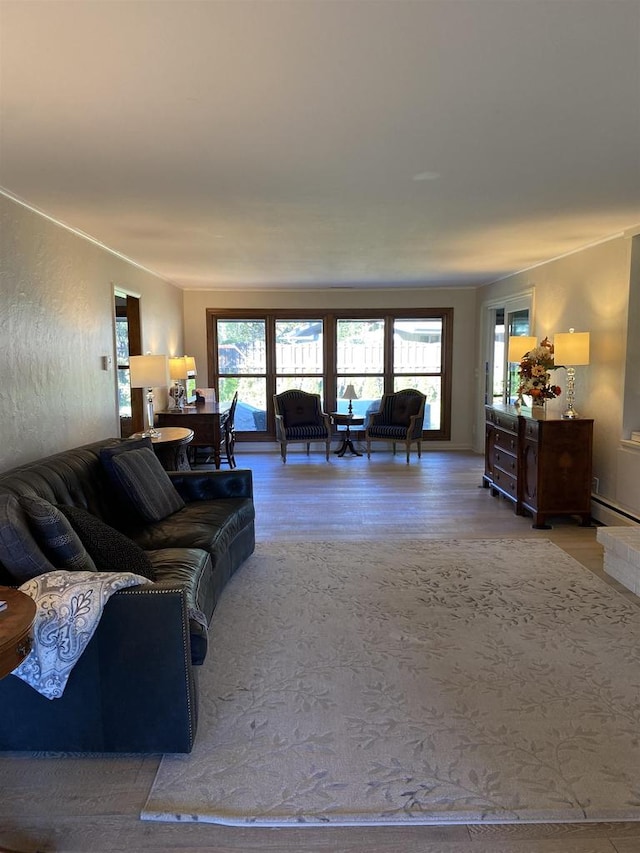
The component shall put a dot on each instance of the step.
(622, 554)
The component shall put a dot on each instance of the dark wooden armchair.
(400, 418)
(299, 417)
(228, 433)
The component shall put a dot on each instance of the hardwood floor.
(92, 803)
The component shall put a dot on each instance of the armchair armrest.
(212, 485)
(375, 418)
(415, 424)
(280, 431)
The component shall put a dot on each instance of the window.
(241, 365)
(417, 363)
(122, 359)
(260, 354)
(360, 363)
(299, 355)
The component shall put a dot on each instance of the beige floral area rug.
(424, 682)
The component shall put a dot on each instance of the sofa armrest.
(213, 485)
(132, 690)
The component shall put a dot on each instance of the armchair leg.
(394, 448)
(368, 448)
(308, 447)
(283, 451)
(419, 450)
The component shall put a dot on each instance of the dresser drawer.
(505, 462)
(506, 441)
(531, 429)
(507, 422)
(505, 482)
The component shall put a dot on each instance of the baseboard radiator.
(610, 514)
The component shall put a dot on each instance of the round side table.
(170, 446)
(346, 420)
(16, 620)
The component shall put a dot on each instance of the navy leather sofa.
(134, 688)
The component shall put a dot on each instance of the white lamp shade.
(519, 345)
(349, 393)
(191, 365)
(178, 367)
(571, 348)
(149, 371)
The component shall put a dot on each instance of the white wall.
(56, 323)
(589, 291)
(462, 300)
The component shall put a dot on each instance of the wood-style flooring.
(92, 803)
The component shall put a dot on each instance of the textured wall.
(589, 291)
(56, 322)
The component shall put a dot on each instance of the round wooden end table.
(16, 620)
(346, 420)
(170, 446)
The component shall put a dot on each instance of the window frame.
(330, 374)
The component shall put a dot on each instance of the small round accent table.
(346, 420)
(170, 446)
(16, 620)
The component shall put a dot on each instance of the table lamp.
(349, 394)
(519, 345)
(149, 371)
(571, 348)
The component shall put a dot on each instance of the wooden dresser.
(543, 466)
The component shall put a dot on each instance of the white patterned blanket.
(69, 606)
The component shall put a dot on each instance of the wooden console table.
(204, 420)
(16, 620)
(543, 466)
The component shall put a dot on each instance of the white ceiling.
(310, 143)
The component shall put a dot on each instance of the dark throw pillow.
(55, 535)
(109, 549)
(145, 483)
(20, 554)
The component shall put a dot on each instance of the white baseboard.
(607, 513)
(274, 447)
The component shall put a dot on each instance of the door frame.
(521, 301)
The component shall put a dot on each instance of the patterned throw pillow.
(55, 536)
(146, 484)
(109, 549)
(19, 552)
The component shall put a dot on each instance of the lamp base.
(570, 414)
(176, 392)
(151, 431)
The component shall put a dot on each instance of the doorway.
(500, 318)
(128, 337)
